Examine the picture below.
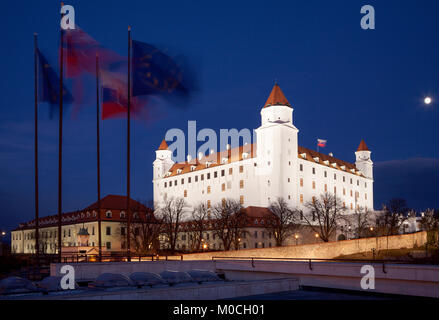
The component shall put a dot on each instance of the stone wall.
(322, 250)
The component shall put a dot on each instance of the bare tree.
(228, 222)
(172, 214)
(325, 213)
(392, 216)
(283, 222)
(198, 225)
(361, 221)
(430, 220)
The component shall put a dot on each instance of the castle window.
(208, 189)
(196, 178)
(326, 188)
(241, 184)
(326, 174)
(241, 200)
(289, 179)
(365, 184)
(202, 177)
(223, 201)
(351, 180)
(166, 184)
(335, 190)
(208, 176)
(313, 170)
(223, 172)
(301, 182)
(185, 193)
(358, 182)
(351, 194)
(365, 196)
(108, 231)
(175, 182)
(230, 170)
(107, 214)
(241, 169)
(223, 187)
(182, 181)
(208, 204)
(189, 180)
(122, 215)
(268, 163)
(313, 184)
(170, 183)
(335, 176)
(301, 167)
(344, 179)
(301, 200)
(289, 163)
(344, 191)
(215, 174)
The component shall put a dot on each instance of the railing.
(311, 260)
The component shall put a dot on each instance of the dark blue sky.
(345, 84)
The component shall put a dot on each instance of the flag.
(80, 50)
(321, 143)
(48, 83)
(155, 73)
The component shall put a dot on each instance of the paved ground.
(322, 294)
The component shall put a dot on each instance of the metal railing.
(313, 260)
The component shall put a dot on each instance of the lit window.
(301, 198)
(223, 187)
(230, 170)
(326, 188)
(185, 193)
(241, 184)
(241, 200)
(313, 184)
(241, 169)
(301, 182)
(208, 189)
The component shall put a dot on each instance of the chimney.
(331, 154)
(228, 146)
(189, 158)
(200, 155)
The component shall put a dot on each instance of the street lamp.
(297, 238)
(317, 236)
(3, 233)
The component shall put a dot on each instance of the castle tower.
(163, 161)
(277, 144)
(363, 160)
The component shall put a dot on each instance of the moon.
(428, 100)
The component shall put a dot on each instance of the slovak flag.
(114, 103)
(321, 143)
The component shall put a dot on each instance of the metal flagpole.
(98, 158)
(61, 93)
(36, 148)
(128, 145)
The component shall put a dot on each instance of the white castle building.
(275, 166)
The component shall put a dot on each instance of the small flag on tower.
(321, 143)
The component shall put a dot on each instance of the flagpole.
(36, 148)
(128, 146)
(61, 93)
(98, 158)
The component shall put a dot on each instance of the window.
(335, 189)
(223, 172)
(313, 184)
(185, 193)
(223, 201)
(182, 181)
(326, 174)
(256, 235)
(108, 245)
(301, 182)
(241, 184)
(196, 178)
(122, 215)
(108, 214)
(344, 179)
(108, 231)
(241, 200)
(170, 183)
(301, 198)
(175, 182)
(208, 176)
(230, 170)
(166, 184)
(241, 169)
(223, 187)
(326, 188)
(313, 170)
(208, 189)
(351, 194)
(335, 176)
(358, 182)
(208, 204)
(289, 179)
(202, 177)
(351, 180)
(93, 231)
(122, 231)
(301, 167)
(189, 180)
(344, 191)
(215, 174)
(365, 196)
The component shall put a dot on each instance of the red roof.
(116, 202)
(363, 146)
(163, 145)
(258, 212)
(276, 98)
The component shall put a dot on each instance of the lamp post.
(297, 238)
(317, 236)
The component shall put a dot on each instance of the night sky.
(345, 84)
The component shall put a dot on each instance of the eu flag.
(48, 83)
(155, 73)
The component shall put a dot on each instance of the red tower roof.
(363, 146)
(276, 97)
(163, 145)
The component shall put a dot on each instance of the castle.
(273, 167)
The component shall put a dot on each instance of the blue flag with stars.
(155, 73)
(48, 83)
